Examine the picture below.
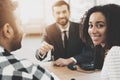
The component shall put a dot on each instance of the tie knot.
(64, 31)
(65, 34)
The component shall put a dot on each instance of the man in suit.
(64, 51)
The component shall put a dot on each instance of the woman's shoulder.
(116, 47)
(113, 53)
(112, 64)
(114, 50)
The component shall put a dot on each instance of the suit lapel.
(58, 38)
(71, 31)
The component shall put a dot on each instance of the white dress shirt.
(67, 26)
(1, 49)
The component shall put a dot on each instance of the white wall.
(33, 10)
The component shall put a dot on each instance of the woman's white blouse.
(111, 67)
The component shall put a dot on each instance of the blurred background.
(35, 15)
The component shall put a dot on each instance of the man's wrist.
(74, 60)
(40, 55)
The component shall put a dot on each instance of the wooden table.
(66, 74)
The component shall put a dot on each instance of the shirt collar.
(4, 52)
(1, 49)
(67, 28)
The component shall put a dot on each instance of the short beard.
(63, 23)
(15, 43)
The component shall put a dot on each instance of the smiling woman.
(97, 28)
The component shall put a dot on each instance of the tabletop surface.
(64, 73)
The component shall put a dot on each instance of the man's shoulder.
(17, 68)
(51, 26)
(71, 22)
(75, 24)
(14, 60)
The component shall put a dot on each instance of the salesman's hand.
(45, 47)
(62, 62)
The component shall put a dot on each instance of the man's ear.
(7, 30)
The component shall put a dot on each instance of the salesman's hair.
(60, 3)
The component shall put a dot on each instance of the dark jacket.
(75, 46)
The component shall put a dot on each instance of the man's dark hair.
(60, 3)
(7, 8)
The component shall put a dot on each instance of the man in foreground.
(11, 67)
